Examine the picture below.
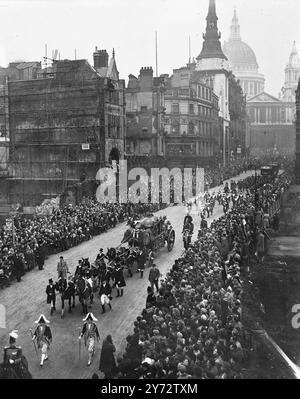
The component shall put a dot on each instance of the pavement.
(26, 300)
(284, 246)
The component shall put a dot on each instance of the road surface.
(25, 301)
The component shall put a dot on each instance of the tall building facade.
(271, 119)
(213, 62)
(63, 126)
(292, 75)
(192, 118)
(145, 114)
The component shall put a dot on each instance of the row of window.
(200, 128)
(270, 115)
(204, 92)
(114, 126)
(201, 110)
(292, 76)
(251, 88)
(205, 149)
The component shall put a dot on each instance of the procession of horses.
(142, 239)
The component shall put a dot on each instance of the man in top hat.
(79, 269)
(90, 333)
(51, 295)
(43, 337)
(101, 256)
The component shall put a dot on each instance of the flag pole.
(156, 58)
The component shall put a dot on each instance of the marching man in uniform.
(90, 333)
(105, 295)
(43, 337)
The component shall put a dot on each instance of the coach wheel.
(171, 240)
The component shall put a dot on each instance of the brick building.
(145, 112)
(61, 127)
(191, 121)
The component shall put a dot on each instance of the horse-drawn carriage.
(151, 233)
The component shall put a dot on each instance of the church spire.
(294, 60)
(212, 45)
(235, 28)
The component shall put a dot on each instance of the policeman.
(12, 353)
(14, 361)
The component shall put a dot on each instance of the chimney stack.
(100, 58)
(146, 79)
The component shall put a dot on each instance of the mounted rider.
(62, 268)
(188, 225)
(66, 288)
(90, 333)
(188, 219)
(101, 256)
(43, 337)
(79, 269)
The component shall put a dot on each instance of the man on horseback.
(79, 269)
(62, 268)
(188, 220)
(90, 333)
(14, 363)
(101, 256)
(43, 337)
(188, 230)
(66, 288)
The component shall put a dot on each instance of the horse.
(85, 292)
(66, 288)
(186, 239)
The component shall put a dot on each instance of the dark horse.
(15, 372)
(85, 292)
(66, 289)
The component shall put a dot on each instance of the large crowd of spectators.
(192, 327)
(34, 239)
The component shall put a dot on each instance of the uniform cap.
(42, 319)
(90, 316)
(14, 334)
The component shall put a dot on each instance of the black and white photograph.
(149, 193)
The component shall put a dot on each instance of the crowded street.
(27, 299)
(150, 194)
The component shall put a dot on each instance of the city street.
(26, 300)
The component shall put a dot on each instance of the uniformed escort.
(15, 364)
(90, 333)
(43, 337)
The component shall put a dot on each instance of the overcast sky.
(268, 26)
